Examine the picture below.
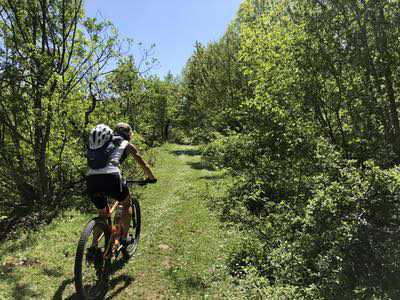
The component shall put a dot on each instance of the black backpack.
(100, 158)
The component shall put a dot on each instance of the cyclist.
(107, 181)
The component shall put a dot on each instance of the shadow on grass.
(52, 272)
(113, 283)
(18, 290)
(190, 152)
(60, 291)
(186, 282)
(22, 244)
(126, 279)
(212, 178)
(200, 166)
(24, 291)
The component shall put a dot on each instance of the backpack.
(99, 158)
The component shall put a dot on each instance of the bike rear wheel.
(134, 231)
(91, 268)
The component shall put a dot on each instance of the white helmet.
(99, 135)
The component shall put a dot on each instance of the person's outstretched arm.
(135, 153)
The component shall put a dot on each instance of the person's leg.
(124, 199)
(100, 202)
(126, 215)
(102, 213)
(95, 188)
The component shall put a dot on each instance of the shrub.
(323, 224)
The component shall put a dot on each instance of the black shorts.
(102, 186)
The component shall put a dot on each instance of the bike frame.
(114, 229)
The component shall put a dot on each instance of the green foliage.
(298, 101)
(54, 89)
(333, 228)
(232, 152)
(48, 49)
(213, 87)
(312, 148)
(149, 104)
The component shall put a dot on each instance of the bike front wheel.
(91, 264)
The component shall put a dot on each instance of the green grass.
(181, 253)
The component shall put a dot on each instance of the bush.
(324, 224)
(233, 152)
(139, 141)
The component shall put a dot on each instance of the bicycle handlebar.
(141, 182)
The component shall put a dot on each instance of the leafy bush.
(314, 115)
(332, 228)
(233, 152)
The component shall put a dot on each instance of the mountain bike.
(93, 264)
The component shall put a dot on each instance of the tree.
(48, 51)
(214, 86)
(149, 104)
(314, 193)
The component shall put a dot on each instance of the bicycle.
(97, 260)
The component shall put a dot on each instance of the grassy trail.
(181, 254)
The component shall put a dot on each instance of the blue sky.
(172, 25)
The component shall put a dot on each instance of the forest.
(297, 103)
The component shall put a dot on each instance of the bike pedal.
(127, 241)
(118, 250)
